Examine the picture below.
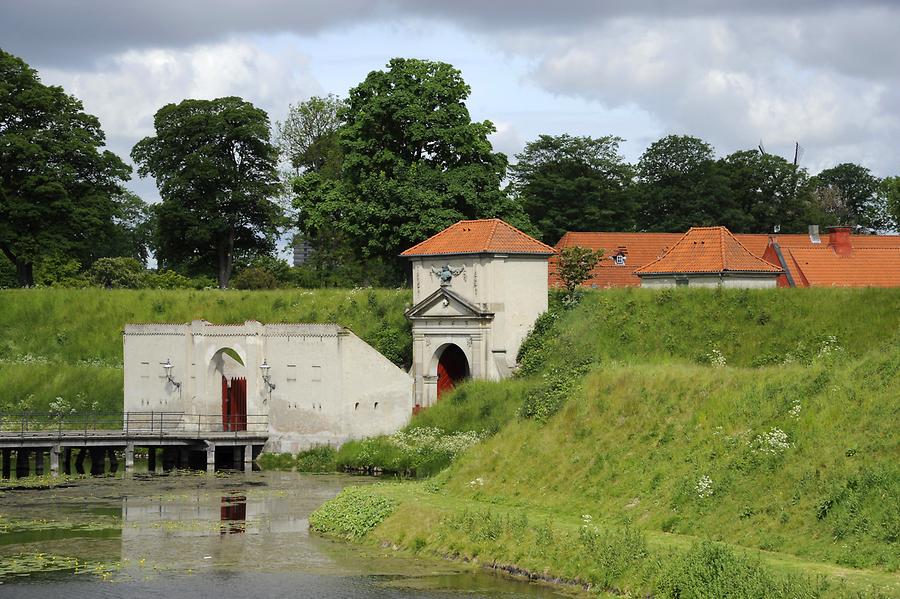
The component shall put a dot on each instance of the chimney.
(839, 240)
(814, 234)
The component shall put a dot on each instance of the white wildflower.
(774, 442)
(704, 487)
(794, 412)
(716, 357)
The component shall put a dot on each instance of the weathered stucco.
(728, 280)
(330, 386)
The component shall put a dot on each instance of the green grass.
(780, 468)
(68, 342)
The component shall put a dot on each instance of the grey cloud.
(66, 33)
(734, 83)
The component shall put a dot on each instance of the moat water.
(191, 535)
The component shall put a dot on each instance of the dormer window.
(620, 260)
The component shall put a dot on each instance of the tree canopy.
(680, 185)
(308, 137)
(58, 186)
(414, 162)
(215, 167)
(567, 183)
(769, 192)
(850, 195)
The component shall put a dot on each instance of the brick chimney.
(839, 240)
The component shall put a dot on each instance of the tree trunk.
(226, 259)
(25, 273)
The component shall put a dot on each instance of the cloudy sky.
(734, 72)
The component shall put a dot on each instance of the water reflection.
(243, 534)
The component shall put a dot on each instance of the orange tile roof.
(708, 250)
(642, 248)
(638, 248)
(485, 236)
(864, 267)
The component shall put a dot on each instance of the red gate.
(452, 368)
(234, 404)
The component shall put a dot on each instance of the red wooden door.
(452, 368)
(234, 404)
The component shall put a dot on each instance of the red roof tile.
(708, 250)
(641, 249)
(486, 236)
(864, 267)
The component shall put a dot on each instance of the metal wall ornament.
(446, 273)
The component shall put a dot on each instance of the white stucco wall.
(511, 287)
(320, 373)
(734, 281)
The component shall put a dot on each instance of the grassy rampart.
(680, 443)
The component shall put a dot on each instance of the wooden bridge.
(184, 440)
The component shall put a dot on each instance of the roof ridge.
(722, 246)
(680, 239)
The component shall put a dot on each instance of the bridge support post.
(7, 463)
(210, 458)
(248, 458)
(79, 460)
(39, 461)
(23, 465)
(54, 460)
(129, 457)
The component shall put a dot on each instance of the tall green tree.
(58, 186)
(567, 183)
(308, 137)
(680, 185)
(414, 162)
(770, 192)
(890, 188)
(216, 169)
(850, 195)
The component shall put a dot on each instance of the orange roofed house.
(708, 257)
(837, 259)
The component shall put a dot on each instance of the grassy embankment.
(68, 342)
(685, 443)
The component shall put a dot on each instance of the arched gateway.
(452, 368)
(478, 287)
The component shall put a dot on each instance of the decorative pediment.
(444, 304)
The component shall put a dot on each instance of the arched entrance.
(229, 375)
(452, 368)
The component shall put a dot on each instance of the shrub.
(557, 386)
(319, 459)
(353, 513)
(254, 278)
(712, 570)
(118, 273)
(168, 279)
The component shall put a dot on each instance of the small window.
(356, 406)
(620, 259)
(681, 282)
(376, 405)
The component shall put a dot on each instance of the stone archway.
(227, 388)
(452, 367)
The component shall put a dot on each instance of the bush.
(352, 514)
(318, 459)
(415, 451)
(168, 279)
(118, 273)
(712, 570)
(254, 278)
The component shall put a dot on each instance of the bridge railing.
(131, 423)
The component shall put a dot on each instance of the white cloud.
(126, 90)
(730, 83)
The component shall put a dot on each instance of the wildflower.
(794, 412)
(774, 442)
(704, 487)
